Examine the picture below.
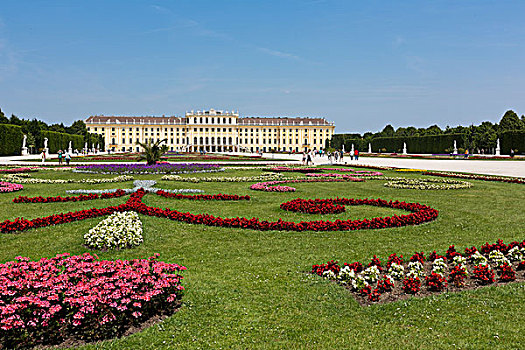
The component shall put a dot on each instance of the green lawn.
(249, 289)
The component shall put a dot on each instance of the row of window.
(212, 129)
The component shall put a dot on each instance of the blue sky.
(362, 64)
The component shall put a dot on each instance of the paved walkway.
(489, 167)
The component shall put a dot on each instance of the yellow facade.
(213, 131)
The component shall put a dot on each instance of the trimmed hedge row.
(11, 138)
(429, 144)
(514, 139)
(60, 141)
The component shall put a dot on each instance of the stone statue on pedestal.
(24, 147)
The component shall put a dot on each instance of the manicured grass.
(250, 289)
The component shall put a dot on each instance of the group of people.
(336, 156)
(62, 155)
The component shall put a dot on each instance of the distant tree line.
(12, 131)
(476, 138)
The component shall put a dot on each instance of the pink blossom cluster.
(10, 187)
(342, 176)
(81, 296)
(269, 185)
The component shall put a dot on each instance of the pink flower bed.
(269, 185)
(80, 297)
(10, 187)
(18, 170)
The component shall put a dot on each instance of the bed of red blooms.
(450, 274)
(82, 197)
(313, 206)
(420, 214)
(206, 197)
(516, 180)
(10, 187)
(82, 298)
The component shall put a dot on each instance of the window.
(130, 141)
(202, 129)
(230, 130)
(229, 120)
(112, 129)
(102, 129)
(95, 129)
(206, 129)
(206, 120)
(89, 129)
(137, 141)
(137, 129)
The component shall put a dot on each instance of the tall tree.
(388, 131)
(510, 121)
(3, 118)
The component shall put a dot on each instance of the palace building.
(213, 131)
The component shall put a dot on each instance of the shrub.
(507, 273)
(411, 285)
(435, 282)
(457, 276)
(118, 231)
(484, 274)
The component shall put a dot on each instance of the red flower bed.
(516, 180)
(402, 279)
(10, 187)
(420, 214)
(82, 197)
(203, 197)
(80, 297)
(313, 206)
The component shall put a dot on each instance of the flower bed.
(270, 185)
(313, 206)
(91, 196)
(161, 168)
(400, 278)
(50, 301)
(516, 180)
(17, 170)
(420, 214)
(203, 197)
(28, 180)
(10, 187)
(428, 184)
(341, 176)
(118, 231)
(263, 177)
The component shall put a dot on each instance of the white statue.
(45, 142)
(352, 150)
(24, 147)
(69, 145)
(498, 149)
(404, 148)
(369, 148)
(455, 148)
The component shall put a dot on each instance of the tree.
(14, 120)
(57, 127)
(510, 121)
(78, 128)
(3, 118)
(153, 152)
(388, 131)
(433, 130)
(31, 141)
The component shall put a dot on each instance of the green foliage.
(60, 141)
(514, 139)
(433, 144)
(510, 121)
(153, 152)
(10, 140)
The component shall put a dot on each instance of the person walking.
(309, 157)
(68, 158)
(43, 156)
(356, 154)
(60, 157)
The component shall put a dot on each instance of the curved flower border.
(420, 214)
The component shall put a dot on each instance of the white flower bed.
(118, 231)
(137, 184)
(263, 177)
(428, 184)
(28, 180)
